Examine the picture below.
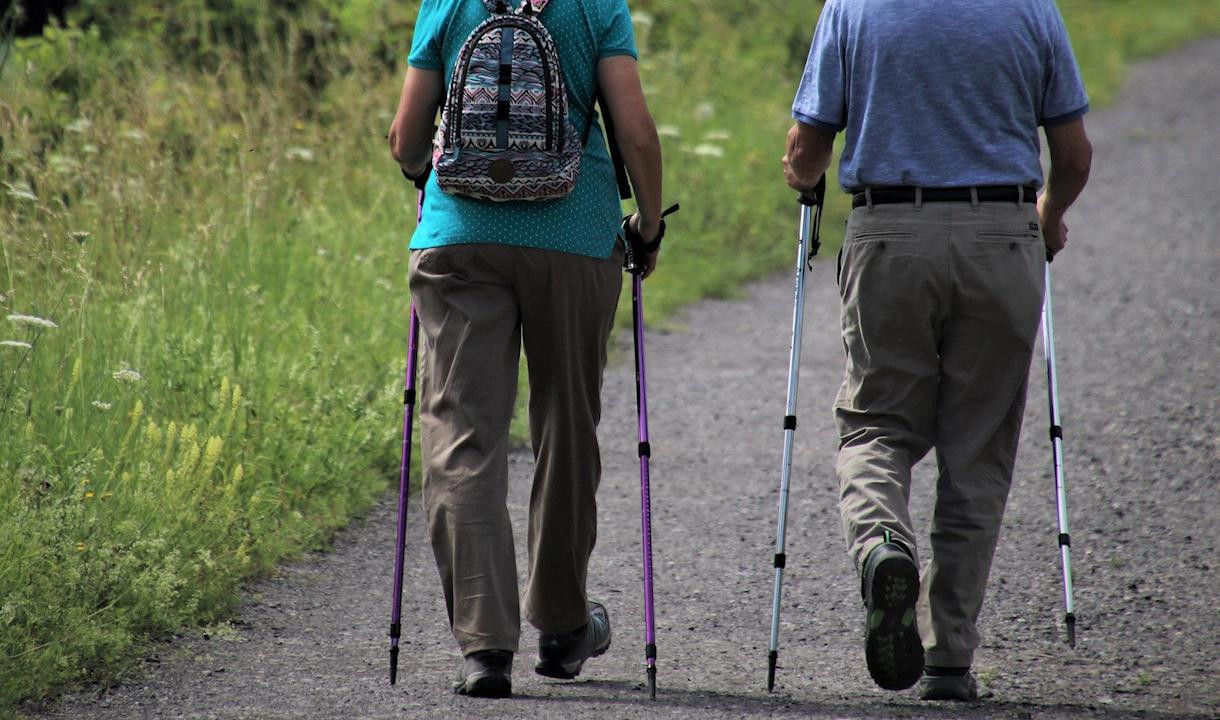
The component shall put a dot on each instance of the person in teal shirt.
(488, 278)
(585, 222)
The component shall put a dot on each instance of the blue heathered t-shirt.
(943, 93)
(586, 222)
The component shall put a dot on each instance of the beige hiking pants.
(477, 304)
(940, 307)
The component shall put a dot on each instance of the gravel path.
(1137, 306)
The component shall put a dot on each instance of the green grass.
(202, 203)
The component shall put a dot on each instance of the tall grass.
(203, 256)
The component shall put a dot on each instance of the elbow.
(1084, 163)
(640, 138)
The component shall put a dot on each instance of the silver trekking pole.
(1052, 386)
(809, 242)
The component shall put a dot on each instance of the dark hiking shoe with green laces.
(486, 674)
(951, 684)
(890, 584)
(563, 655)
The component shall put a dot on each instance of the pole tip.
(393, 665)
(1070, 621)
(771, 660)
(652, 683)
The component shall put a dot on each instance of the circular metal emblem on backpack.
(502, 170)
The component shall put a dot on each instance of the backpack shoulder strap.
(501, 7)
(616, 156)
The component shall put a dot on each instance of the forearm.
(1064, 184)
(410, 134)
(641, 151)
(1071, 156)
(808, 155)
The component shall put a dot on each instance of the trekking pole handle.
(816, 195)
(636, 248)
(421, 180)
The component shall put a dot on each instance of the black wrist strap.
(418, 180)
(636, 249)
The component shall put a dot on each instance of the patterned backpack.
(505, 133)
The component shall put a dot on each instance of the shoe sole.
(559, 671)
(486, 685)
(892, 647)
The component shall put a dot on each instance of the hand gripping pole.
(808, 238)
(1056, 433)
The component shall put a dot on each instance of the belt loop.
(868, 197)
(974, 197)
(919, 198)
(1020, 196)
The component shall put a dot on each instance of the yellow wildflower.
(76, 367)
(211, 454)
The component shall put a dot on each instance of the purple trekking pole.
(635, 263)
(404, 482)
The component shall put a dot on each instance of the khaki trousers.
(477, 304)
(940, 308)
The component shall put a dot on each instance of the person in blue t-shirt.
(941, 278)
(488, 278)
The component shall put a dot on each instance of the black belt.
(986, 193)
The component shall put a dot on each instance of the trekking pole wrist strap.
(816, 195)
(637, 249)
(419, 180)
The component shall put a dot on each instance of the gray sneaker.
(948, 687)
(563, 655)
(891, 640)
(486, 674)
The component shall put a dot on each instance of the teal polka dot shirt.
(586, 221)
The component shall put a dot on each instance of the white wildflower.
(101, 405)
(80, 236)
(322, 252)
(21, 191)
(79, 125)
(127, 375)
(16, 344)
(31, 320)
(707, 150)
(299, 153)
(89, 149)
(383, 284)
(643, 19)
(672, 131)
(704, 111)
(62, 164)
(717, 135)
(135, 135)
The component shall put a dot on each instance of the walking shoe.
(562, 655)
(891, 640)
(948, 684)
(486, 674)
